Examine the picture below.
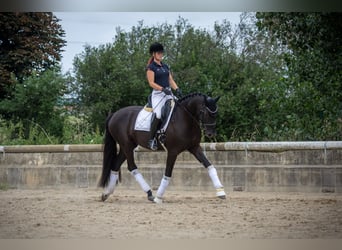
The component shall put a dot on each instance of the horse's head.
(208, 116)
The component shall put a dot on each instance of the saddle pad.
(143, 121)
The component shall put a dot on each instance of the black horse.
(191, 114)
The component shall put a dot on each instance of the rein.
(199, 122)
(189, 113)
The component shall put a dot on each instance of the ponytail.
(150, 61)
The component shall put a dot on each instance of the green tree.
(29, 42)
(311, 37)
(34, 102)
(313, 80)
(248, 58)
(112, 76)
(106, 82)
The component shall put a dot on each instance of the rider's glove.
(167, 91)
(179, 92)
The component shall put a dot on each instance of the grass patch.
(3, 186)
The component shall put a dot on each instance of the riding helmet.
(156, 47)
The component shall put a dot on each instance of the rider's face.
(158, 55)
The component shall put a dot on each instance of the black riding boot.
(152, 143)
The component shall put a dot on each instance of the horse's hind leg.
(143, 184)
(114, 176)
(132, 167)
(164, 183)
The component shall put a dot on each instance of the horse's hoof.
(104, 197)
(150, 198)
(220, 193)
(157, 200)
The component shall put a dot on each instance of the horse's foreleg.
(165, 181)
(216, 182)
(198, 153)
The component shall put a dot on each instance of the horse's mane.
(188, 96)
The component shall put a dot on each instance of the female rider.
(160, 80)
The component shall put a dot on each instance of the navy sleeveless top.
(161, 73)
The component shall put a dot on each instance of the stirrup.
(152, 144)
(162, 137)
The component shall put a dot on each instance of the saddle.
(148, 106)
(143, 121)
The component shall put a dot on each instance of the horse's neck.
(192, 105)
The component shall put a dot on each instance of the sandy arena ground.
(78, 213)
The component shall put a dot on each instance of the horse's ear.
(217, 98)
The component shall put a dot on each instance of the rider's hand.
(179, 92)
(167, 91)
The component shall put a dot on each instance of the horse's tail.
(109, 155)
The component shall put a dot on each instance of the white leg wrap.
(109, 189)
(163, 185)
(216, 181)
(140, 179)
(213, 176)
(157, 200)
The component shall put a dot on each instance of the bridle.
(200, 122)
(211, 113)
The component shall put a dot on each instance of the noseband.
(211, 113)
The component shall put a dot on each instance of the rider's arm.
(150, 79)
(173, 84)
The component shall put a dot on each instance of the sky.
(96, 28)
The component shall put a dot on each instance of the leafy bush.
(75, 131)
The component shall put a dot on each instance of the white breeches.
(158, 101)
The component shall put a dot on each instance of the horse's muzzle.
(210, 134)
